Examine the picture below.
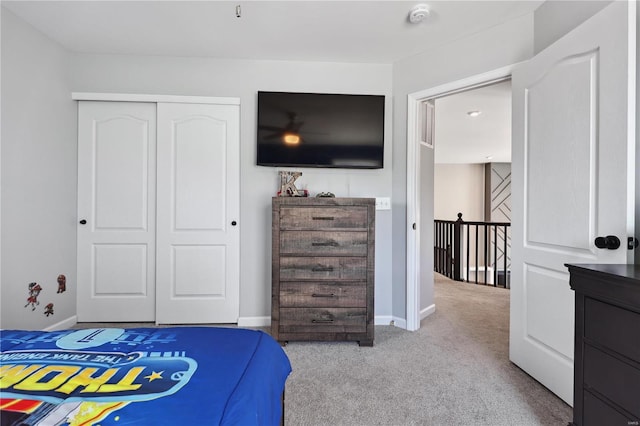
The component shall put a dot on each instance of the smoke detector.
(418, 13)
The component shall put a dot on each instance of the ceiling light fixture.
(418, 13)
(474, 113)
(291, 138)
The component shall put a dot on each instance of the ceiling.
(333, 31)
(461, 138)
(336, 31)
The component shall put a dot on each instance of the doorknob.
(83, 222)
(234, 223)
(610, 242)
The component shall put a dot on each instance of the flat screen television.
(320, 130)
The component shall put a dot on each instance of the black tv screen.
(320, 130)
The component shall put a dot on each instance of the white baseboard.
(63, 325)
(266, 321)
(390, 320)
(382, 319)
(254, 322)
(427, 311)
(400, 322)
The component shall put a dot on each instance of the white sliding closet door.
(198, 208)
(116, 211)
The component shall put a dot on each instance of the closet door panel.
(116, 211)
(199, 174)
(198, 207)
(120, 174)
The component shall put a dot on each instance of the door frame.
(414, 101)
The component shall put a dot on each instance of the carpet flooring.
(454, 371)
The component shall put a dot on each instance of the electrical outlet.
(383, 203)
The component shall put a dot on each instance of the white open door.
(116, 211)
(198, 238)
(573, 173)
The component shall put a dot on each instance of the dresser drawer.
(612, 378)
(324, 243)
(323, 217)
(613, 327)
(319, 320)
(295, 294)
(598, 413)
(323, 268)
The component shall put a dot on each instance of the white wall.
(459, 188)
(38, 234)
(497, 47)
(553, 19)
(243, 78)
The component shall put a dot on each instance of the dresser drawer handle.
(322, 269)
(321, 321)
(322, 217)
(326, 244)
(323, 295)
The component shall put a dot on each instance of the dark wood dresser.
(323, 269)
(607, 344)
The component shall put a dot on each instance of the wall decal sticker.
(62, 284)
(48, 310)
(34, 291)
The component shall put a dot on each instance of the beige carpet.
(454, 371)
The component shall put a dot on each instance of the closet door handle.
(83, 222)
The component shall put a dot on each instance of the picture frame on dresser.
(323, 268)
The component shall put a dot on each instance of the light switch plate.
(383, 203)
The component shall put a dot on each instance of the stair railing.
(476, 252)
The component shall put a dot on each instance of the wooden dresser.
(607, 344)
(323, 269)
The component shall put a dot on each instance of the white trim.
(413, 246)
(383, 320)
(63, 325)
(413, 171)
(390, 320)
(266, 321)
(254, 321)
(399, 322)
(427, 311)
(130, 97)
(632, 37)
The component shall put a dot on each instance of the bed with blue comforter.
(141, 376)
